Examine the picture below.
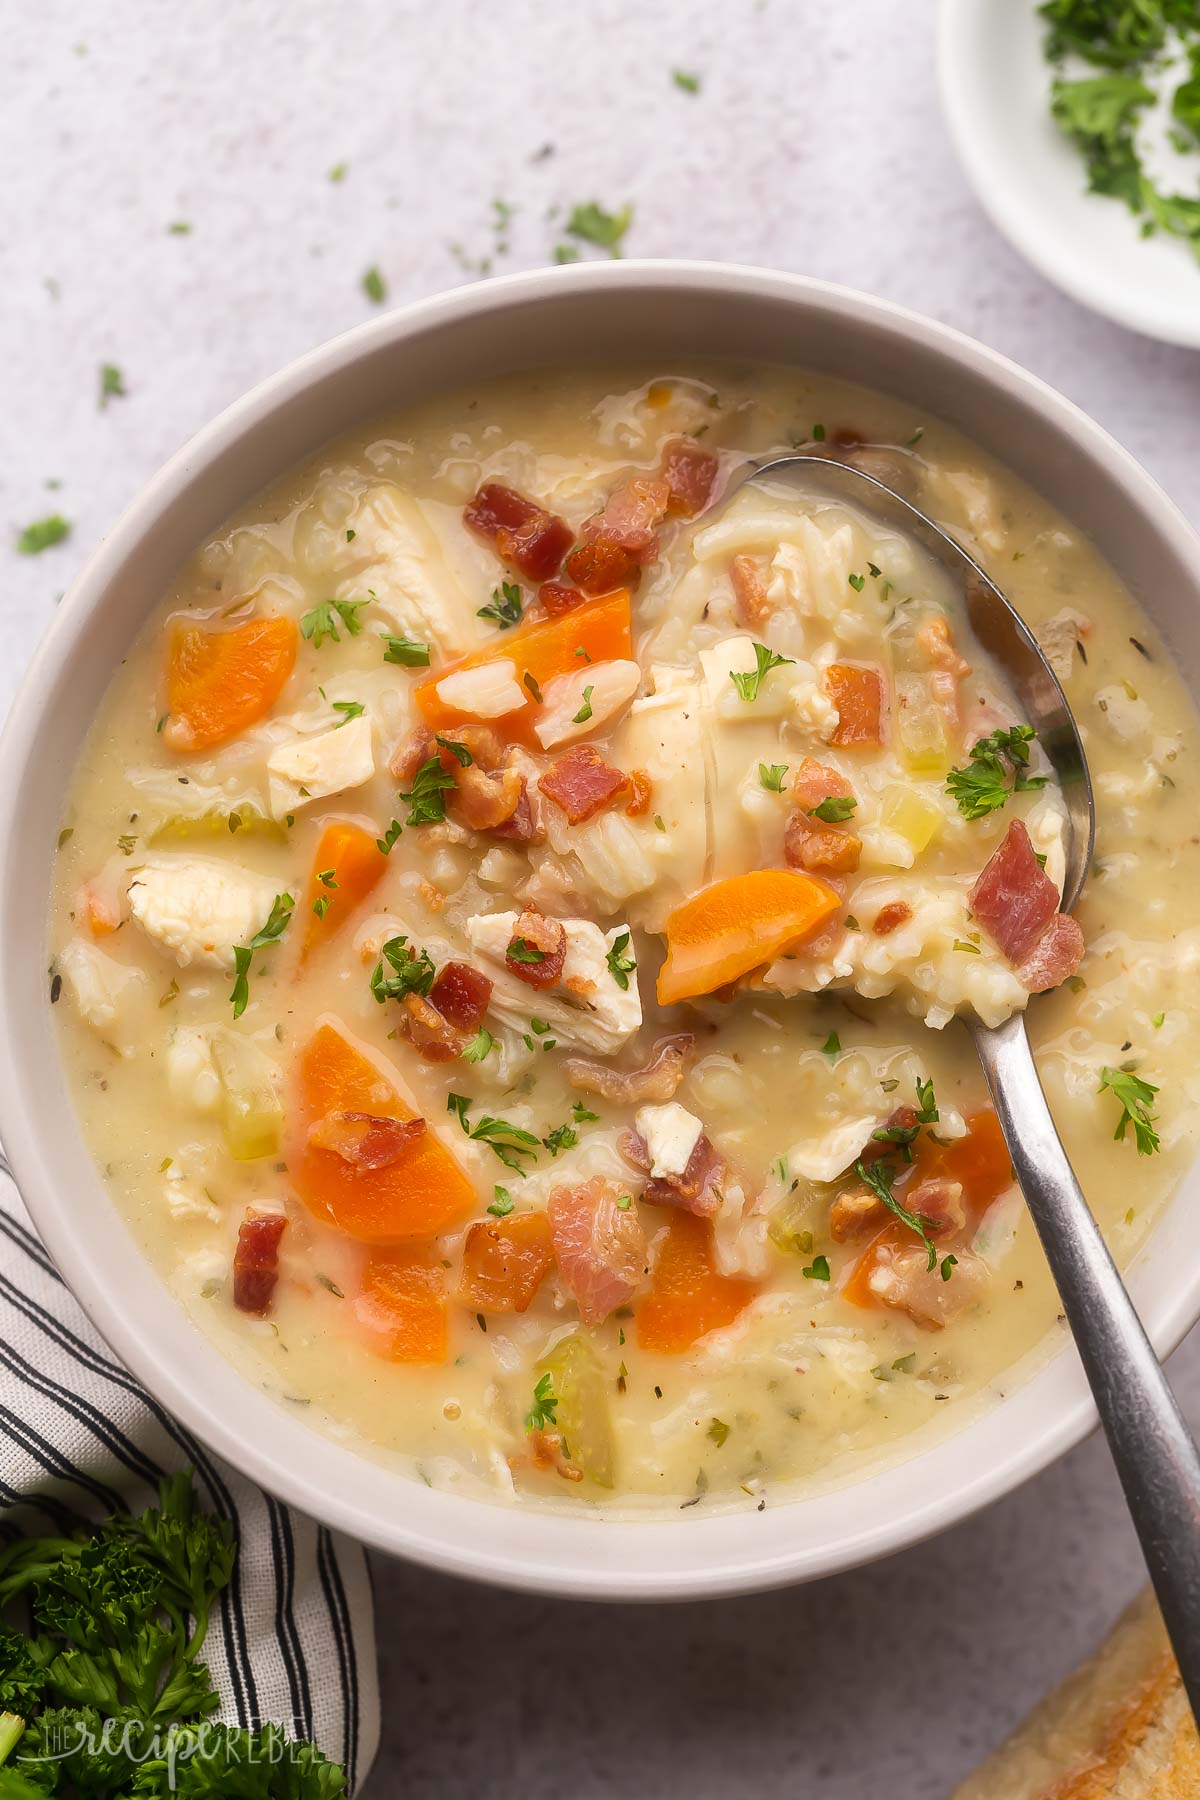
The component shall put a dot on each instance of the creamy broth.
(789, 1076)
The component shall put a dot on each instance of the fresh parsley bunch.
(102, 1692)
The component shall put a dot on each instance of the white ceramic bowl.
(995, 85)
(670, 311)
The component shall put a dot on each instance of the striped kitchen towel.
(79, 1438)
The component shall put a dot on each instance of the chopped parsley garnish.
(981, 786)
(520, 950)
(879, 1176)
(427, 796)
(479, 1047)
(718, 1431)
(327, 877)
(1136, 1101)
(832, 1045)
(563, 1137)
(459, 752)
(948, 1263)
(503, 1203)
(507, 1141)
(338, 171)
(412, 972)
(818, 432)
(685, 81)
(771, 776)
(43, 534)
(747, 684)
(596, 226)
(349, 709)
(322, 621)
(545, 1405)
(857, 582)
(180, 228)
(817, 1269)
(373, 286)
(927, 1111)
(505, 605)
(834, 810)
(566, 253)
(585, 711)
(531, 683)
(1157, 1020)
(384, 844)
(321, 905)
(270, 933)
(621, 965)
(583, 1115)
(112, 384)
(967, 949)
(405, 651)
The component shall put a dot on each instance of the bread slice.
(1119, 1728)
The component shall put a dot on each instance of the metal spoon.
(1154, 1452)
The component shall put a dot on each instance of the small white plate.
(995, 84)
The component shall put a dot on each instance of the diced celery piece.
(912, 815)
(584, 1416)
(921, 726)
(791, 1224)
(180, 828)
(251, 1114)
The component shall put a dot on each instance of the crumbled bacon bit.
(546, 1451)
(815, 782)
(431, 1035)
(854, 1213)
(364, 1140)
(461, 994)
(889, 917)
(749, 592)
(641, 793)
(696, 1190)
(526, 536)
(582, 783)
(417, 748)
(903, 1118)
(579, 984)
(487, 750)
(937, 1201)
(657, 1080)
(484, 800)
(558, 597)
(933, 635)
(521, 828)
(600, 1246)
(433, 897)
(256, 1261)
(601, 567)
(690, 474)
(547, 939)
(617, 542)
(818, 848)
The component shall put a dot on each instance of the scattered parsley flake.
(747, 683)
(180, 228)
(771, 776)
(412, 972)
(427, 796)
(520, 950)
(459, 752)
(620, 965)
(339, 171)
(373, 286)
(545, 1406)
(585, 711)
(1136, 1100)
(857, 582)
(583, 1115)
(563, 1137)
(832, 1045)
(967, 949)
(1157, 1020)
(321, 905)
(43, 534)
(384, 844)
(596, 226)
(834, 810)
(817, 1269)
(112, 384)
(503, 1203)
(322, 621)
(406, 651)
(879, 1176)
(685, 81)
(531, 684)
(479, 1047)
(349, 709)
(277, 920)
(505, 606)
(981, 785)
(506, 1141)
(718, 1431)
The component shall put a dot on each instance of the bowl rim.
(1154, 315)
(460, 1546)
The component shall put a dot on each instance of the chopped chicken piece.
(310, 768)
(200, 908)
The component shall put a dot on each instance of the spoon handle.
(1154, 1452)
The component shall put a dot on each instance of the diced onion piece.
(912, 815)
(251, 1112)
(584, 1415)
(487, 691)
(581, 703)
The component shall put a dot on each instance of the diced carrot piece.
(221, 682)
(401, 1306)
(100, 909)
(858, 695)
(737, 925)
(505, 1262)
(424, 1191)
(688, 1298)
(350, 857)
(857, 1289)
(980, 1161)
(602, 630)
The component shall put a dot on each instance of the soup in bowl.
(511, 919)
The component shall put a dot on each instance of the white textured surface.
(815, 144)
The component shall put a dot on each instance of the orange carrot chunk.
(505, 1262)
(401, 1306)
(980, 1161)
(892, 1236)
(688, 1298)
(737, 925)
(347, 865)
(601, 631)
(858, 695)
(415, 1194)
(221, 682)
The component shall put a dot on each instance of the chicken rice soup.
(514, 912)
